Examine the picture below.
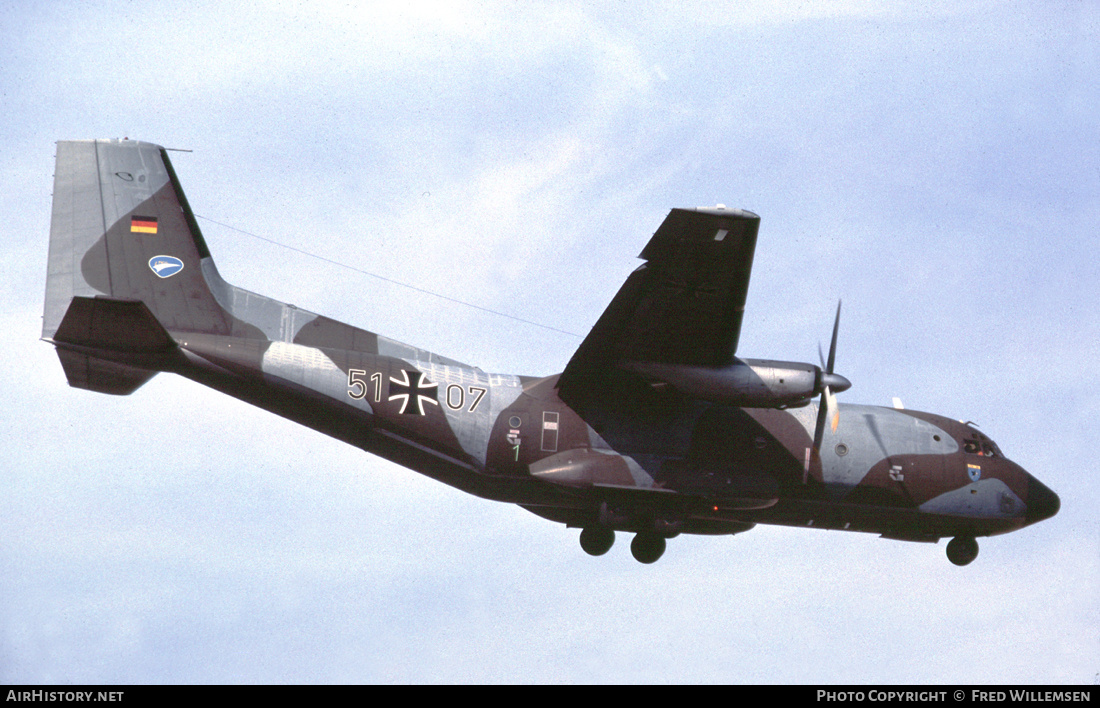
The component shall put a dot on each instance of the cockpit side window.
(978, 444)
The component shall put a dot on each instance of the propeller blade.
(827, 379)
(832, 346)
(822, 416)
(827, 410)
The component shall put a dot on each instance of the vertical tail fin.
(130, 276)
(122, 229)
(127, 265)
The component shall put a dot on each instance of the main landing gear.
(961, 550)
(597, 540)
(647, 547)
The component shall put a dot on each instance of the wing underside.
(684, 306)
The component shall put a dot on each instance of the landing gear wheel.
(961, 550)
(597, 540)
(647, 547)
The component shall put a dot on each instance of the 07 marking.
(456, 397)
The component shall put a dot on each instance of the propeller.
(828, 384)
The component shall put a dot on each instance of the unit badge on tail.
(165, 266)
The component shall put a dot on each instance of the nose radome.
(1041, 502)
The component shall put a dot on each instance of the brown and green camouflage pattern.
(655, 427)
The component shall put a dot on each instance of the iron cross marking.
(413, 388)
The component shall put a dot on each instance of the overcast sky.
(937, 168)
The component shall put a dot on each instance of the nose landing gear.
(961, 550)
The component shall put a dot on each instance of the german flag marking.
(143, 224)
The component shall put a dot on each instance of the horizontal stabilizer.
(111, 346)
(100, 375)
(112, 325)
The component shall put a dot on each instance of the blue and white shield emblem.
(974, 471)
(165, 266)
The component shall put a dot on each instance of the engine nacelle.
(752, 383)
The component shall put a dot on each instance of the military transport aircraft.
(654, 428)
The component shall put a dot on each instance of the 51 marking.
(357, 384)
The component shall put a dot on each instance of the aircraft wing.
(683, 306)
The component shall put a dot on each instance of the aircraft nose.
(1041, 502)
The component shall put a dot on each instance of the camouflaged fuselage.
(615, 442)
